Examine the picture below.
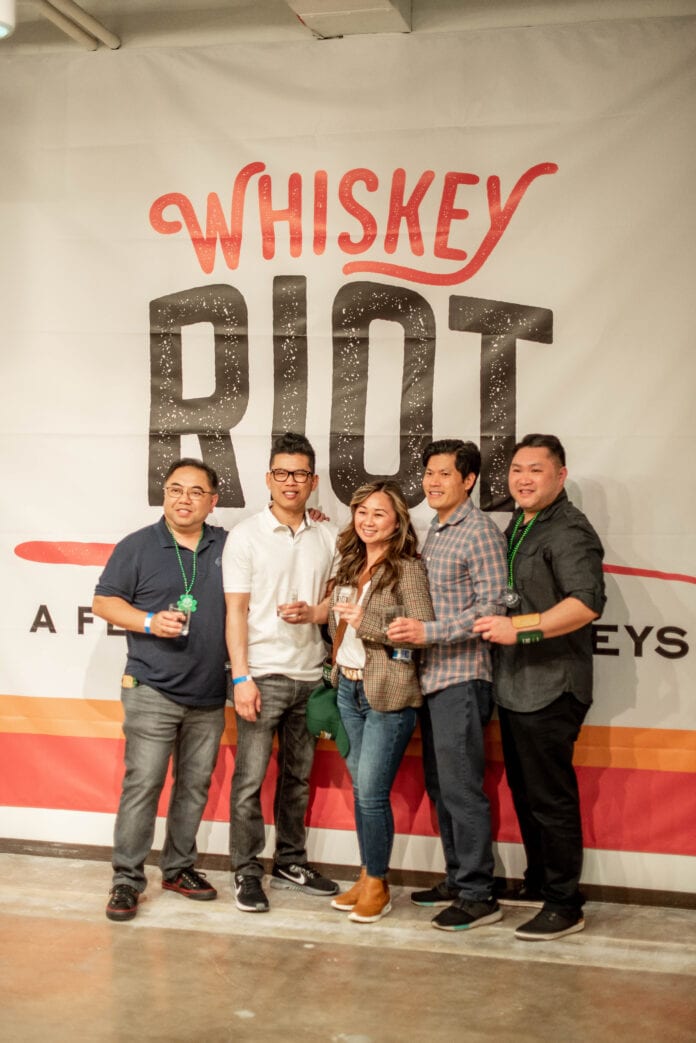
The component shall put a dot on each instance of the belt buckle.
(352, 673)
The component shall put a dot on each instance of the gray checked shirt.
(466, 561)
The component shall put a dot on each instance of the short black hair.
(291, 442)
(467, 456)
(550, 442)
(190, 461)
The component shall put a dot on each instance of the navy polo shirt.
(144, 570)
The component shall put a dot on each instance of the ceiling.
(167, 23)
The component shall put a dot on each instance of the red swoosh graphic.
(624, 570)
(48, 552)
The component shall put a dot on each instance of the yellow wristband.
(522, 622)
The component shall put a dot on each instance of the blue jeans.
(156, 729)
(283, 710)
(378, 742)
(452, 726)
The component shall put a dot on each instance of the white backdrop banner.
(377, 241)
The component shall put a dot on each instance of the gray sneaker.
(249, 896)
(302, 878)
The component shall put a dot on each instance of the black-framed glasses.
(281, 475)
(194, 492)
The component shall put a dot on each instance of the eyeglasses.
(281, 475)
(194, 492)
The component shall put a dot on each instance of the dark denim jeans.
(378, 742)
(452, 725)
(156, 729)
(283, 710)
(538, 751)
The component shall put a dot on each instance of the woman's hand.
(352, 613)
(405, 631)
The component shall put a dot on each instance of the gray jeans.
(156, 730)
(283, 709)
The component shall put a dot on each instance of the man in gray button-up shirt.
(543, 678)
(464, 554)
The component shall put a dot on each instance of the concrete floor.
(205, 972)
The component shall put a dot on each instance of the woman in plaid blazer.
(377, 693)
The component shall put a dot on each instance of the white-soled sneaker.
(302, 878)
(548, 925)
(249, 896)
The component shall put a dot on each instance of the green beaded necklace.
(512, 550)
(187, 603)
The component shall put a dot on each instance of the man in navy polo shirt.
(163, 584)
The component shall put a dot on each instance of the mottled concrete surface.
(203, 971)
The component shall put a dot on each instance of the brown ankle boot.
(348, 899)
(373, 902)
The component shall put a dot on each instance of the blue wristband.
(148, 619)
(238, 680)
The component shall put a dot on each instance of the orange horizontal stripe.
(599, 746)
(76, 718)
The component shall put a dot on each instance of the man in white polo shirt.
(276, 567)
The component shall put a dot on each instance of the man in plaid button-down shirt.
(465, 555)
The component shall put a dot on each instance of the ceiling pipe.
(71, 19)
(65, 25)
(87, 22)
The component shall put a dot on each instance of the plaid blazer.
(390, 684)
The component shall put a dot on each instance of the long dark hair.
(402, 544)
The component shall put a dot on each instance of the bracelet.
(148, 619)
(244, 677)
(529, 637)
(533, 619)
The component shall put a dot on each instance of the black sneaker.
(302, 878)
(463, 915)
(520, 895)
(123, 902)
(249, 896)
(548, 925)
(193, 884)
(441, 894)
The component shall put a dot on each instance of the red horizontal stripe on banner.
(673, 577)
(51, 552)
(623, 809)
(48, 552)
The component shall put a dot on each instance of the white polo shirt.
(264, 558)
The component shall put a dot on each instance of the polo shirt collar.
(273, 523)
(167, 540)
